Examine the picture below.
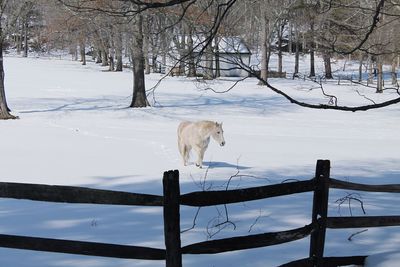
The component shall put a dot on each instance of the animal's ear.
(221, 124)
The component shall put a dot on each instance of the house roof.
(233, 45)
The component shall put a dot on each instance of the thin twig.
(350, 238)
(365, 97)
(347, 199)
(255, 222)
(194, 221)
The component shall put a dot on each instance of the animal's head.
(218, 134)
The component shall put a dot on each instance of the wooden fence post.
(172, 229)
(320, 212)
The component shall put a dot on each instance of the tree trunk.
(280, 33)
(139, 98)
(296, 61)
(312, 48)
(209, 73)
(163, 64)
(148, 45)
(99, 56)
(370, 70)
(379, 85)
(297, 52)
(4, 110)
(119, 64)
(154, 64)
(312, 64)
(217, 61)
(147, 64)
(118, 50)
(360, 69)
(104, 58)
(165, 44)
(182, 54)
(327, 65)
(19, 37)
(111, 56)
(155, 47)
(92, 49)
(264, 48)
(82, 52)
(394, 73)
(25, 54)
(146, 49)
(290, 41)
(74, 51)
(191, 65)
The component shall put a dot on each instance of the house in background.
(224, 59)
(233, 53)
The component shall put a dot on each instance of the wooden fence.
(171, 201)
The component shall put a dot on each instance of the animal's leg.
(200, 155)
(186, 151)
(181, 147)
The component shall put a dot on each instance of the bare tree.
(348, 34)
(7, 17)
(139, 98)
(331, 28)
(4, 110)
(134, 11)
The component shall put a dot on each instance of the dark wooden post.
(172, 229)
(320, 212)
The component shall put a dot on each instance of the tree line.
(184, 35)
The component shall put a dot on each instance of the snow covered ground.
(75, 129)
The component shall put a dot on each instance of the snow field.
(76, 129)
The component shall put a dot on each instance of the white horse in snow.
(196, 135)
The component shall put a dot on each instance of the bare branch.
(375, 21)
(350, 238)
(347, 199)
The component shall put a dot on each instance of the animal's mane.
(206, 126)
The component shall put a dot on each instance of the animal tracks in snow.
(159, 148)
(165, 152)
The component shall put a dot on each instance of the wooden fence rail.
(171, 201)
(81, 248)
(247, 242)
(327, 262)
(387, 188)
(218, 197)
(72, 194)
(362, 221)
